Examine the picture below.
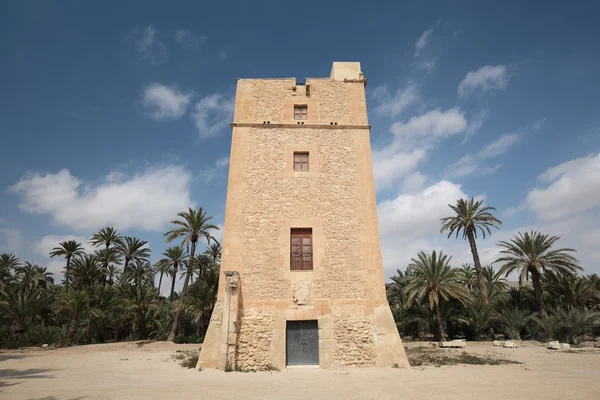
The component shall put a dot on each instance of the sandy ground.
(129, 371)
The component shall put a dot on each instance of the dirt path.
(128, 371)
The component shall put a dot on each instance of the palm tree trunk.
(440, 322)
(178, 310)
(173, 281)
(67, 273)
(478, 270)
(91, 331)
(126, 264)
(537, 287)
(160, 281)
(72, 330)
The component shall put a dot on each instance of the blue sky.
(118, 113)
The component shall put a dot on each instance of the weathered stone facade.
(266, 198)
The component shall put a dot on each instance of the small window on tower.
(300, 112)
(301, 161)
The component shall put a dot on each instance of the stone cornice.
(309, 126)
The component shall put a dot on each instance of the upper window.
(301, 161)
(301, 254)
(300, 112)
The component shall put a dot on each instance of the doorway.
(302, 343)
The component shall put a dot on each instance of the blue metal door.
(302, 343)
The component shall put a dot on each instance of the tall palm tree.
(131, 248)
(175, 256)
(532, 254)
(68, 249)
(193, 225)
(471, 216)
(105, 236)
(430, 276)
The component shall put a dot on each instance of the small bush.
(187, 358)
(437, 358)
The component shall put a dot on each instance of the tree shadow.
(7, 356)
(31, 373)
(55, 398)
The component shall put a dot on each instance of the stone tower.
(301, 274)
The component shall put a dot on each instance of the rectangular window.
(301, 249)
(300, 112)
(301, 161)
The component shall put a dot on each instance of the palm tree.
(32, 275)
(514, 320)
(131, 248)
(76, 304)
(19, 304)
(470, 217)
(193, 225)
(532, 254)
(468, 276)
(214, 252)
(201, 297)
(111, 272)
(86, 271)
(68, 249)
(494, 281)
(139, 273)
(174, 257)
(105, 236)
(478, 318)
(107, 257)
(8, 262)
(568, 291)
(430, 276)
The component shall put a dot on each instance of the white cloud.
(11, 240)
(188, 39)
(394, 104)
(147, 200)
(468, 164)
(475, 125)
(423, 41)
(485, 78)
(574, 187)
(499, 146)
(424, 51)
(411, 215)
(149, 46)
(213, 114)
(390, 165)
(434, 124)
(412, 140)
(48, 242)
(413, 183)
(164, 102)
(410, 223)
(222, 162)
(537, 125)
